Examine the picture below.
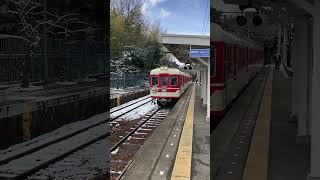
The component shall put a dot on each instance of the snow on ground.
(45, 138)
(87, 163)
(128, 103)
(139, 112)
(124, 110)
(115, 151)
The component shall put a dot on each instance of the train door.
(163, 82)
(234, 67)
(247, 65)
(173, 83)
(218, 89)
(228, 70)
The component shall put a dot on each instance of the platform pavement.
(286, 160)
(231, 139)
(201, 141)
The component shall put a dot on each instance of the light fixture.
(257, 20)
(241, 20)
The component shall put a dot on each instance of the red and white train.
(235, 62)
(168, 84)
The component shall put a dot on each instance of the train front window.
(154, 80)
(173, 81)
(164, 81)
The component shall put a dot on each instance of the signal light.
(241, 20)
(257, 21)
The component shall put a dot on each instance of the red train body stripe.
(216, 88)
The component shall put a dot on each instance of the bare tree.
(35, 22)
(120, 66)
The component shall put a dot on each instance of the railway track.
(70, 88)
(23, 161)
(127, 147)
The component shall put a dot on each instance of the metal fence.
(129, 80)
(69, 59)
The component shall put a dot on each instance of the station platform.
(257, 139)
(179, 148)
(30, 112)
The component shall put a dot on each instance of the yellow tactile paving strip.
(182, 165)
(257, 161)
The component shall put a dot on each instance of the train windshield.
(173, 81)
(164, 81)
(154, 80)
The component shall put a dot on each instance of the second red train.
(235, 61)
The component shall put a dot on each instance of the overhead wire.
(205, 17)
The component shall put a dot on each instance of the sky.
(188, 17)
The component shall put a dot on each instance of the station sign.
(199, 53)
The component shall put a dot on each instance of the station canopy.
(179, 45)
(273, 13)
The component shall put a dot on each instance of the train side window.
(213, 61)
(154, 80)
(164, 81)
(173, 81)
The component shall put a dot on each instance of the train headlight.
(154, 90)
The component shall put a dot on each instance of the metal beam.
(310, 8)
(185, 39)
(203, 62)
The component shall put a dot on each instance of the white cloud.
(145, 9)
(164, 13)
(148, 4)
(154, 2)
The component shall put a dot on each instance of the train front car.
(168, 84)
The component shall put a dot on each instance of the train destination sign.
(198, 53)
